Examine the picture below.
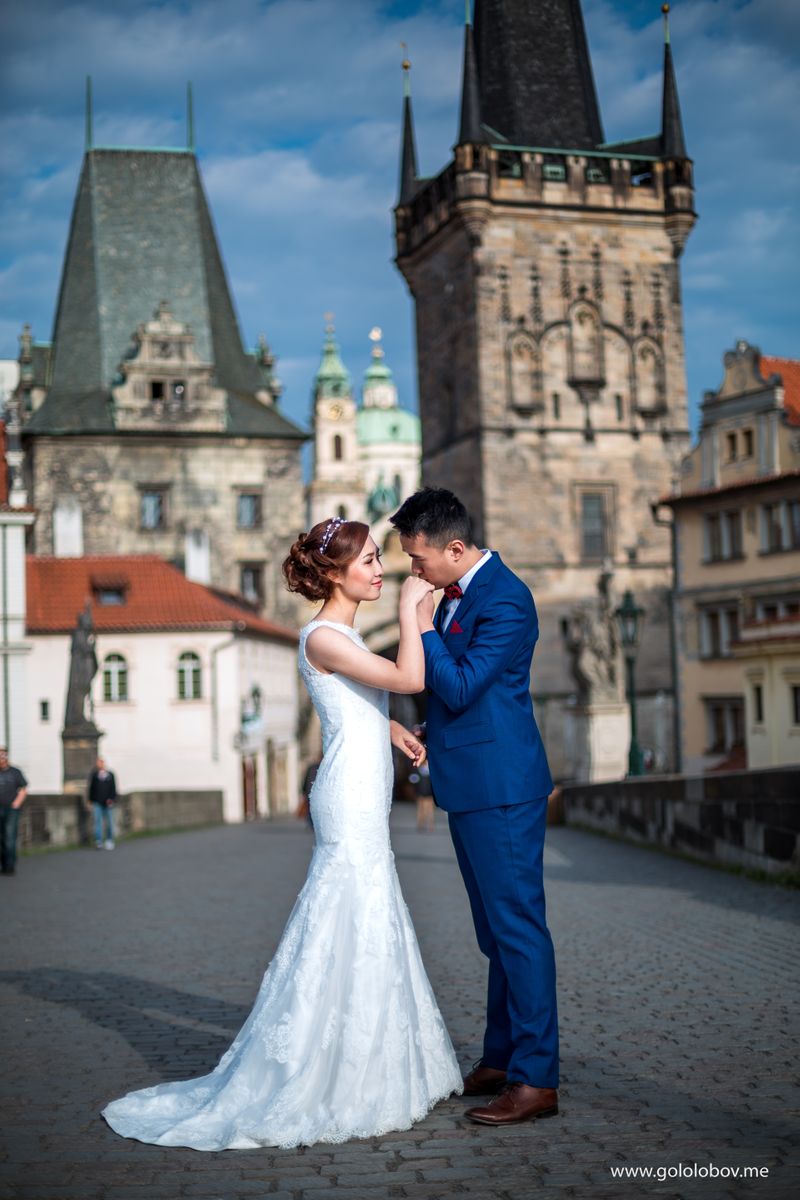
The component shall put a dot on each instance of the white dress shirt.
(463, 582)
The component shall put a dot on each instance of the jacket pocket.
(466, 735)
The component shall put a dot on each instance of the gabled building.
(736, 513)
(194, 689)
(543, 262)
(147, 426)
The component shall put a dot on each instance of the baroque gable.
(163, 382)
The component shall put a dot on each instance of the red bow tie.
(453, 591)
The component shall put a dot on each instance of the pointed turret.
(470, 129)
(408, 156)
(332, 378)
(672, 139)
(379, 389)
(535, 75)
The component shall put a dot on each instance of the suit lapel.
(472, 594)
(438, 617)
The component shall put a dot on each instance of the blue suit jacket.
(484, 745)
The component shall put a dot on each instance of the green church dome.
(387, 425)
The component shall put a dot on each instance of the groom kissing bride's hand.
(489, 771)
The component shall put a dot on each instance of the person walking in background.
(102, 794)
(423, 790)
(13, 790)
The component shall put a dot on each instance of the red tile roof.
(157, 597)
(751, 482)
(789, 371)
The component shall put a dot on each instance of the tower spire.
(408, 154)
(672, 140)
(88, 135)
(470, 129)
(535, 74)
(189, 118)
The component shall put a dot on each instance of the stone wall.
(202, 477)
(740, 818)
(63, 820)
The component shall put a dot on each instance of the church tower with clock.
(543, 262)
(337, 488)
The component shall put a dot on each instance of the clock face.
(336, 412)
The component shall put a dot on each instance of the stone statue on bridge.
(592, 641)
(82, 670)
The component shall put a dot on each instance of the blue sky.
(297, 124)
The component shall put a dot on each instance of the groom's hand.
(425, 613)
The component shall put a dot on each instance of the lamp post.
(629, 621)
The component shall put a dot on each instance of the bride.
(345, 1038)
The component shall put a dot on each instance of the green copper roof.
(377, 372)
(387, 425)
(332, 377)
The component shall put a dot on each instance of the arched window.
(190, 679)
(337, 447)
(115, 679)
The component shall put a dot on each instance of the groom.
(489, 771)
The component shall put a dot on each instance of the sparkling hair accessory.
(330, 530)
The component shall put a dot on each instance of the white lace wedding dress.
(345, 1038)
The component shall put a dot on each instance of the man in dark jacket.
(13, 790)
(102, 794)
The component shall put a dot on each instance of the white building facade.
(210, 706)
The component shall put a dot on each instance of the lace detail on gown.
(345, 1038)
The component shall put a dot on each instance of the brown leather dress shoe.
(484, 1081)
(516, 1103)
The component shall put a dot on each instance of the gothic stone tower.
(147, 426)
(543, 262)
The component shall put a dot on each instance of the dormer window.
(109, 591)
(110, 595)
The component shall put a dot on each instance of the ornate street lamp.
(629, 621)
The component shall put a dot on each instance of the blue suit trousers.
(499, 851)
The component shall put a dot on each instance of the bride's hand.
(410, 745)
(415, 590)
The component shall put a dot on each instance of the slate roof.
(535, 75)
(157, 597)
(142, 232)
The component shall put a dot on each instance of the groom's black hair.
(436, 513)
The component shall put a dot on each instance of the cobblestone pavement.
(677, 992)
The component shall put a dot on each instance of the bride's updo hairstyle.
(308, 567)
